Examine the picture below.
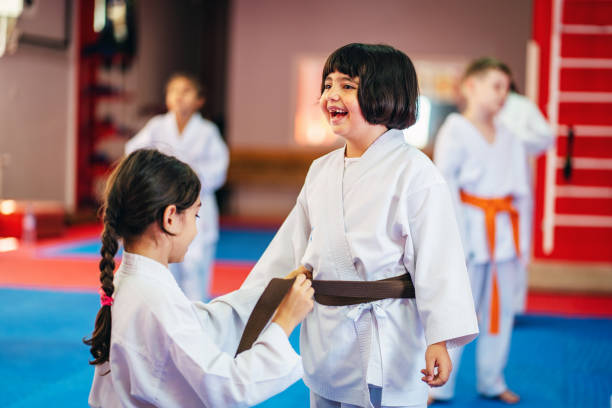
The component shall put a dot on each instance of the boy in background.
(484, 165)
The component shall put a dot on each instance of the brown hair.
(137, 194)
(195, 82)
(484, 64)
(388, 87)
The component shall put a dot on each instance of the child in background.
(151, 345)
(484, 165)
(182, 132)
(527, 123)
(376, 209)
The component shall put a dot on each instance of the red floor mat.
(569, 305)
(20, 269)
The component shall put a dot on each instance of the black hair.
(137, 194)
(388, 87)
(481, 65)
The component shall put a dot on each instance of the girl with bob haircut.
(375, 218)
(151, 345)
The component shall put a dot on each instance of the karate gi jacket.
(388, 214)
(169, 352)
(488, 170)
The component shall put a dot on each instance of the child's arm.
(435, 258)
(540, 135)
(219, 379)
(225, 317)
(436, 356)
(448, 157)
(534, 131)
(296, 305)
(286, 249)
(229, 313)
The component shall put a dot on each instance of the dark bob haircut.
(481, 65)
(388, 87)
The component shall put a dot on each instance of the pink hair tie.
(105, 300)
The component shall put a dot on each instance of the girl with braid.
(151, 346)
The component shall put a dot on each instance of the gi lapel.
(342, 259)
(337, 245)
(377, 152)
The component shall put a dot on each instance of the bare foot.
(430, 400)
(509, 397)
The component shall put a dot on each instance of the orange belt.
(492, 206)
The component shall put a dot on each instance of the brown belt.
(353, 292)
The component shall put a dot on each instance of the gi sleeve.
(286, 249)
(448, 156)
(443, 295)
(220, 380)
(141, 140)
(537, 135)
(225, 317)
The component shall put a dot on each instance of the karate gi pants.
(491, 349)
(525, 208)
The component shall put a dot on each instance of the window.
(418, 134)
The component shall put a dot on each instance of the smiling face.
(340, 105)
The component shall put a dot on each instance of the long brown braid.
(137, 194)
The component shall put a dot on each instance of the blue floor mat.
(554, 362)
(233, 245)
(42, 358)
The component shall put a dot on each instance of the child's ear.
(201, 102)
(467, 86)
(171, 219)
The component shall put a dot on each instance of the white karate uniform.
(200, 145)
(317, 401)
(526, 122)
(388, 213)
(470, 163)
(167, 351)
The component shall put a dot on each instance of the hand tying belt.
(353, 292)
(492, 206)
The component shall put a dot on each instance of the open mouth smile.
(336, 113)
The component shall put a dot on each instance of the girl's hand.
(296, 304)
(300, 270)
(436, 356)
